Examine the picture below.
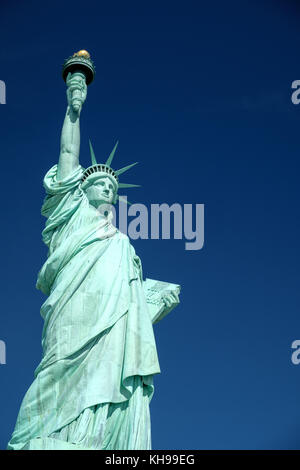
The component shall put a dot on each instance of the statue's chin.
(97, 204)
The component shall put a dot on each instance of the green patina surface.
(94, 383)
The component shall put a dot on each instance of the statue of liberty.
(93, 386)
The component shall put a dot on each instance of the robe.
(93, 386)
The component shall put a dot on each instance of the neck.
(103, 211)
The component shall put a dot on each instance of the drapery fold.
(97, 337)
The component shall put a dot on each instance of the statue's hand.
(171, 299)
(76, 91)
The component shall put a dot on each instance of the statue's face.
(102, 191)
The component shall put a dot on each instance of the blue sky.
(200, 94)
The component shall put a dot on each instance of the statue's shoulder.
(71, 182)
(122, 236)
(125, 239)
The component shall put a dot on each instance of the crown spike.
(94, 161)
(128, 185)
(110, 158)
(125, 168)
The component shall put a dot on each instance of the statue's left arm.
(161, 297)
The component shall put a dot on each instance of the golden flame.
(82, 53)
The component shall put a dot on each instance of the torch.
(79, 63)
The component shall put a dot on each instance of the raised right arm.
(70, 136)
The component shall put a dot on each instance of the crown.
(105, 168)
